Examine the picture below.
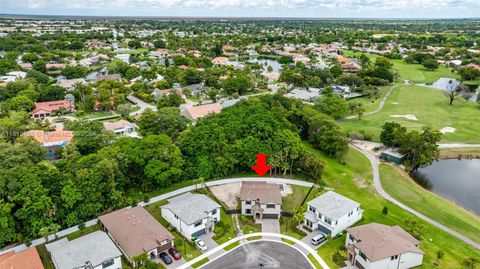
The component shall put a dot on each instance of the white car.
(201, 245)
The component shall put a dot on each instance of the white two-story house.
(261, 200)
(191, 214)
(378, 246)
(331, 213)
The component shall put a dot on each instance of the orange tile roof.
(50, 137)
(53, 105)
(21, 260)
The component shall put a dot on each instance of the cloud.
(216, 7)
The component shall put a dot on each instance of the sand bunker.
(394, 103)
(447, 130)
(406, 116)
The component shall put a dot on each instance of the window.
(214, 211)
(176, 216)
(394, 257)
(107, 263)
(271, 206)
(312, 209)
(328, 221)
(248, 211)
(363, 256)
(351, 237)
(197, 223)
(248, 202)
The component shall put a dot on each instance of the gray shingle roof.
(333, 205)
(94, 248)
(191, 207)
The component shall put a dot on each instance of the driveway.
(308, 239)
(211, 244)
(261, 254)
(174, 264)
(271, 226)
(143, 105)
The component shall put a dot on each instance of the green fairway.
(414, 73)
(431, 108)
(371, 103)
(399, 185)
(354, 180)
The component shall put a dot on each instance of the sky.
(249, 8)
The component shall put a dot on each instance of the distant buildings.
(124, 57)
(376, 245)
(332, 213)
(69, 84)
(94, 251)
(13, 76)
(192, 214)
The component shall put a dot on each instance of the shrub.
(385, 210)
(338, 258)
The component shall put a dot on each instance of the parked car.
(317, 239)
(201, 245)
(174, 253)
(165, 258)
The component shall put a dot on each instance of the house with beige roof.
(197, 112)
(134, 231)
(121, 128)
(261, 200)
(374, 245)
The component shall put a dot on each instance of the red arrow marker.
(261, 167)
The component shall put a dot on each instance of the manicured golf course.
(430, 107)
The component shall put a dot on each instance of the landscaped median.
(315, 260)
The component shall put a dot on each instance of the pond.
(456, 180)
(276, 66)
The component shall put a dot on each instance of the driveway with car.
(211, 244)
(308, 239)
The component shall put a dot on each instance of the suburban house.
(374, 245)
(93, 251)
(28, 258)
(331, 213)
(157, 93)
(261, 200)
(13, 76)
(69, 84)
(196, 112)
(116, 77)
(192, 214)
(121, 128)
(51, 141)
(392, 155)
(46, 109)
(135, 232)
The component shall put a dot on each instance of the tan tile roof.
(112, 126)
(135, 230)
(21, 260)
(378, 241)
(203, 110)
(266, 193)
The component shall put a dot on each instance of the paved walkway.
(458, 145)
(142, 104)
(378, 186)
(382, 103)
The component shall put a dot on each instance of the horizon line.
(6, 15)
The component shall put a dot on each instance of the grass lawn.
(400, 186)
(224, 230)
(431, 108)
(188, 250)
(371, 103)
(138, 196)
(92, 115)
(200, 262)
(415, 73)
(291, 202)
(315, 263)
(248, 225)
(231, 246)
(344, 178)
(45, 257)
(290, 242)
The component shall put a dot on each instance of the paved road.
(378, 186)
(143, 105)
(382, 103)
(255, 254)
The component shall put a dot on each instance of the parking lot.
(261, 254)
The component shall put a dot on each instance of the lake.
(456, 180)
(276, 66)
